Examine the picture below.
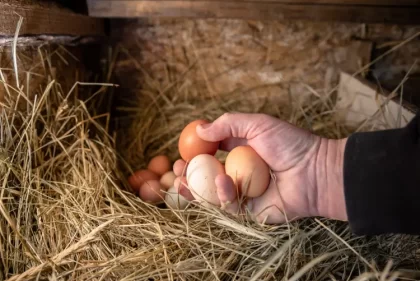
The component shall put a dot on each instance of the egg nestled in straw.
(152, 192)
(190, 144)
(175, 200)
(248, 170)
(201, 174)
(167, 180)
(139, 178)
(159, 165)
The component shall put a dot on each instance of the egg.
(167, 180)
(190, 144)
(159, 165)
(248, 170)
(139, 178)
(175, 200)
(201, 175)
(151, 192)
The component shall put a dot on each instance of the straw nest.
(65, 213)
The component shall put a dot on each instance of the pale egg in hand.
(201, 174)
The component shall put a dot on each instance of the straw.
(66, 212)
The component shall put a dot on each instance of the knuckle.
(226, 116)
(264, 117)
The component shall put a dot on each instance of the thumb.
(234, 125)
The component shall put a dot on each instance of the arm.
(382, 180)
(377, 183)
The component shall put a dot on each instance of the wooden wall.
(46, 18)
(367, 11)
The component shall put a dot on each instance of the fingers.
(267, 208)
(231, 143)
(182, 187)
(180, 168)
(227, 193)
(180, 183)
(234, 125)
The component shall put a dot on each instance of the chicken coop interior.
(91, 91)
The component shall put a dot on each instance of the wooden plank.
(320, 2)
(39, 20)
(255, 10)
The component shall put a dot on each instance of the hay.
(174, 91)
(65, 214)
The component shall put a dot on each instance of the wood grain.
(318, 2)
(265, 10)
(47, 21)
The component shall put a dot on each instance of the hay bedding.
(64, 213)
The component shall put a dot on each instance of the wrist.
(329, 178)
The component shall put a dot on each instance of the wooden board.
(368, 11)
(39, 20)
(331, 2)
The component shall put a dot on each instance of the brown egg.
(159, 165)
(139, 178)
(191, 145)
(167, 180)
(152, 192)
(248, 170)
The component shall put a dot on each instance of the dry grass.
(65, 216)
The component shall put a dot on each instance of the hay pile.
(65, 214)
(180, 78)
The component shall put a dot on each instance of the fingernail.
(204, 126)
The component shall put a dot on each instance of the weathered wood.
(324, 2)
(369, 11)
(38, 20)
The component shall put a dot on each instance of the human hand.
(307, 169)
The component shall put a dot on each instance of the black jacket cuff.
(382, 181)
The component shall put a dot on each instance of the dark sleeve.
(382, 181)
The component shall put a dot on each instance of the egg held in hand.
(248, 170)
(190, 144)
(201, 174)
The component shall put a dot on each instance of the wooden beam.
(38, 20)
(319, 2)
(368, 11)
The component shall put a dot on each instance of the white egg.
(167, 180)
(201, 174)
(175, 200)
